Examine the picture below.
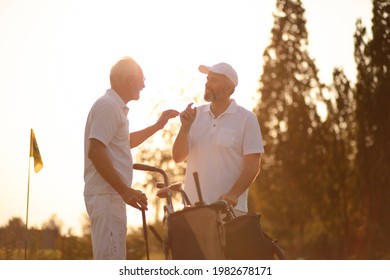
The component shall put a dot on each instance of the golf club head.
(176, 187)
(164, 192)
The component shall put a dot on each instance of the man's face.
(136, 84)
(216, 87)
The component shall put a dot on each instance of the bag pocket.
(245, 239)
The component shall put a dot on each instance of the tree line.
(49, 243)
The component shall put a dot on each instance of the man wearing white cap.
(221, 141)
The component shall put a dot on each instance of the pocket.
(226, 137)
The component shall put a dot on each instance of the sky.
(55, 58)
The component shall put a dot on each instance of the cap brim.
(204, 69)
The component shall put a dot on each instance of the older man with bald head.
(108, 162)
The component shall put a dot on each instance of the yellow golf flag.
(34, 152)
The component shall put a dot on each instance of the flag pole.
(28, 199)
(38, 164)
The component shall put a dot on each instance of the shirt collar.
(117, 99)
(233, 107)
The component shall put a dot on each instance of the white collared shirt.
(216, 151)
(107, 122)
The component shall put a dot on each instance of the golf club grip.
(197, 184)
(144, 167)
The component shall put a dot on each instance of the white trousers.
(108, 226)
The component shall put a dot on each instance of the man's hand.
(187, 117)
(230, 198)
(180, 146)
(165, 116)
(135, 198)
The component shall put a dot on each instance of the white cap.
(221, 68)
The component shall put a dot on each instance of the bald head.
(127, 79)
(122, 70)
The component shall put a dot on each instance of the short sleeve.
(252, 141)
(104, 123)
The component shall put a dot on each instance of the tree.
(12, 239)
(373, 131)
(340, 208)
(287, 113)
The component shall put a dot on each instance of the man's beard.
(209, 96)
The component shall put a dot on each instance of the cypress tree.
(373, 131)
(287, 113)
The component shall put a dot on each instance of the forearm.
(138, 137)
(104, 166)
(97, 153)
(180, 146)
(248, 174)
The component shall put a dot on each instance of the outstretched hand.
(166, 116)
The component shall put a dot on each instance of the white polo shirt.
(107, 122)
(216, 151)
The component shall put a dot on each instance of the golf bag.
(209, 232)
(196, 233)
(245, 240)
